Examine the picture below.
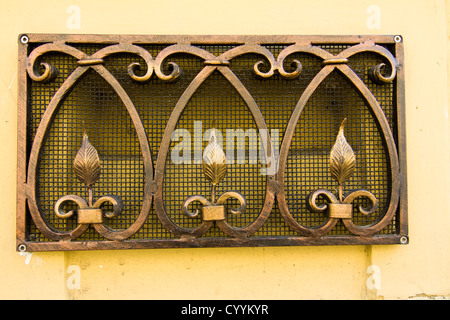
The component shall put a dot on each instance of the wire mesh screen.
(237, 97)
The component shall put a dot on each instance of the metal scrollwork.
(338, 206)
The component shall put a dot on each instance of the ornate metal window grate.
(193, 141)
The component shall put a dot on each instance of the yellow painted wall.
(419, 269)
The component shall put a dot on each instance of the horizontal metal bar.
(211, 39)
(213, 243)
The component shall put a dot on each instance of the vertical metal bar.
(21, 142)
(401, 136)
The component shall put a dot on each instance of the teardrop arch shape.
(107, 100)
(231, 94)
(343, 97)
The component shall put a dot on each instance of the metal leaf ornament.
(87, 162)
(214, 160)
(342, 159)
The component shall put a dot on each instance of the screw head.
(24, 39)
(22, 248)
(398, 39)
(404, 240)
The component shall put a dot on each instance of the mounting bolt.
(22, 248)
(404, 240)
(398, 39)
(24, 39)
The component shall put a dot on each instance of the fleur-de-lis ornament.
(214, 169)
(342, 167)
(87, 168)
(214, 163)
(86, 165)
(342, 160)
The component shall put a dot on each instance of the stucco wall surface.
(417, 270)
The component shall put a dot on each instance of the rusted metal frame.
(401, 138)
(22, 94)
(210, 39)
(213, 243)
(274, 185)
(45, 124)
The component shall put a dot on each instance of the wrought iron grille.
(194, 141)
